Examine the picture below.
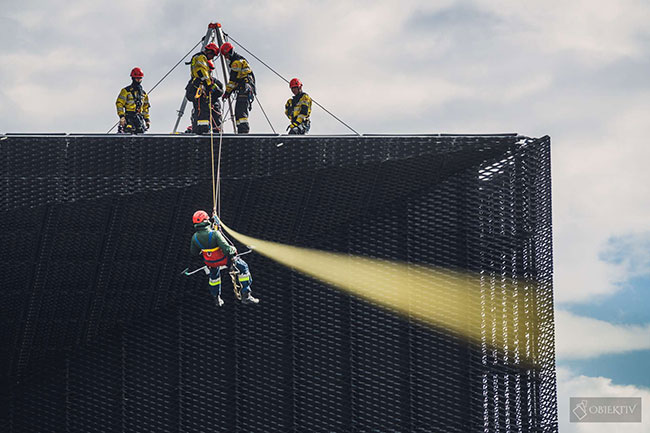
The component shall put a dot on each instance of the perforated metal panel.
(101, 333)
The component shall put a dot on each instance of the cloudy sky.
(576, 70)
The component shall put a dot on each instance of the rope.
(228, 112)
(328, 112)
(179, 62)
(216, 180)
(214, 191)
(164, 76)
(267, 117)
(287, 81)
(257, 58)
(219, 172)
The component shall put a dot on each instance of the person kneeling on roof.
(133, 106)
(217, 254)
(298, 109)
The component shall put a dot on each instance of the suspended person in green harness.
(298, 109)
(242, 83)
(201, 87)
(217, 254)
(133, 106)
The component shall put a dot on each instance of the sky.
(576, 70)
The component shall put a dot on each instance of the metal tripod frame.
(214, 32)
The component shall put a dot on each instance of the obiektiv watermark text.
(605, 409)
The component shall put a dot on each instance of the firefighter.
(133, 106)
(298, 109)
(201, 86)
(242, 83)
(217, 254)
(216, 101)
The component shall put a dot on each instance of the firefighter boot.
(247, 298)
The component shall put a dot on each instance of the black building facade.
(101, 332)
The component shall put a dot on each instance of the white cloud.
(600, 192)
(571, 385)
(578, 337)
(598, 32)
(365, 58)
(632, 252)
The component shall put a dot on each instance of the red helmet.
(137, 73)
(295, 82)
(212, 47)
(200, 216)
(226, 48)
(210, 65)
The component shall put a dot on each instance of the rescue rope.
(219, 171)
(164, 76)
(176, 65)
(267, 117)
(232, 116)
(214, 180)
(219, 164)
(287, 81)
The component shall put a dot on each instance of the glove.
(122, 121)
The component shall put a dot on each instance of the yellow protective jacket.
(199, 68)
(298, 108)
(128, 101)
(240, 72)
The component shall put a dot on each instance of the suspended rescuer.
(218, 253)
(133, 106)
(241, 83)
(202, 88)
(298, 109)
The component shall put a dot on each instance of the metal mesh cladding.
(101, 333)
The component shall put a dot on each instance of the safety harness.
(213, 257)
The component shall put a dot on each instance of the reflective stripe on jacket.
(240, 72)
(298, 108)
(127, 100)
(199, 68)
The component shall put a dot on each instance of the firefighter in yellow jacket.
(298, 109)
(241, 82)
(202, 87)
(133, 106)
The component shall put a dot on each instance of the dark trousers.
(201, 108)
(301, 129)
(135, 124)
(203, 119)
(243, 104)
(244, 277)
